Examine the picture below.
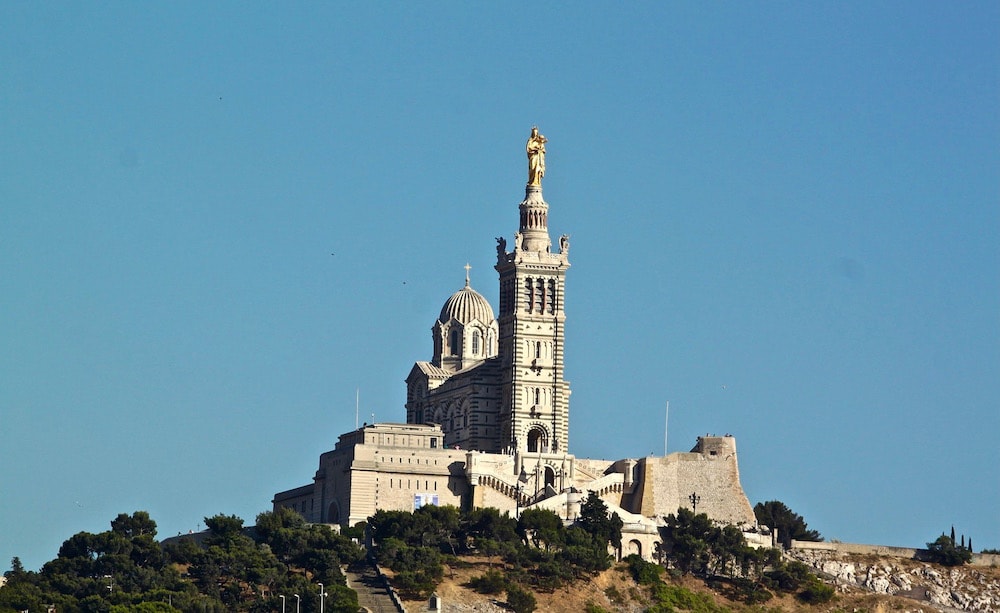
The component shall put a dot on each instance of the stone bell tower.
(534, 403)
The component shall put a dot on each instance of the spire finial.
(467, 268)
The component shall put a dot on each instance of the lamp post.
(282, 597)
(322, 596)
(695, 499)
(522, 479)
(298, 601)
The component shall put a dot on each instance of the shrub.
(751, 592)
(816, 592)
(614, 595)
(644, 573)
(788, 577)
(520, 599)
(668, 598)
(492, 582)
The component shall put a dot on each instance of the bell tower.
(534, 402)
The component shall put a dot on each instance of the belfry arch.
(538, 439)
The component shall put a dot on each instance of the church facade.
(496, 384)
(487, 418)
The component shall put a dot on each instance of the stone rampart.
(911, 553)
(709, 472)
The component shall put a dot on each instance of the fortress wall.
(710, 471)
(978, 559)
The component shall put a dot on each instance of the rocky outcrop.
(962, 588)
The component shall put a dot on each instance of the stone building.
(487, 418)
(496, 385)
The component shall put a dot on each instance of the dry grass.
(614, 590)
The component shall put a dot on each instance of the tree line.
(533, 552)
(229, 568)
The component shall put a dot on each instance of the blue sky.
(217, 222)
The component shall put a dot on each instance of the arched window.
(538, 349)
(536, 440)
(453, 345)
(475, 343)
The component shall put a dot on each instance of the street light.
(322, 595)
(298, 601)
(282, 597)
(522, 479)
(695, 499)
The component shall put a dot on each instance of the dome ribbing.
(465, 306)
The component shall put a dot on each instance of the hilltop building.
(487, 418)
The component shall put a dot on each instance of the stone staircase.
(372, 592)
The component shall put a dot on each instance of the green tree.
(486, 525)
(789, 525)
(687, 537)
(541, 527)
(944, 551)
(725, 546)
(595, 520)
(136, 524)
(223, 527)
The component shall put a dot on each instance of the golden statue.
(536, 157)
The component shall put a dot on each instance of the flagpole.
(666, 422)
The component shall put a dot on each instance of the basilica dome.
(465, 306)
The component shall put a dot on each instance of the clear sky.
(220, 220)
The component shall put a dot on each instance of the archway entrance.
(537, 441)
(550, 476)
(635, 547)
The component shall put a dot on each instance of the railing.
(607, 483)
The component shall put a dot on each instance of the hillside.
(615, 590)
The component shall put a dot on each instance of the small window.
(434, 443)
(475, 343)
(453, 345)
